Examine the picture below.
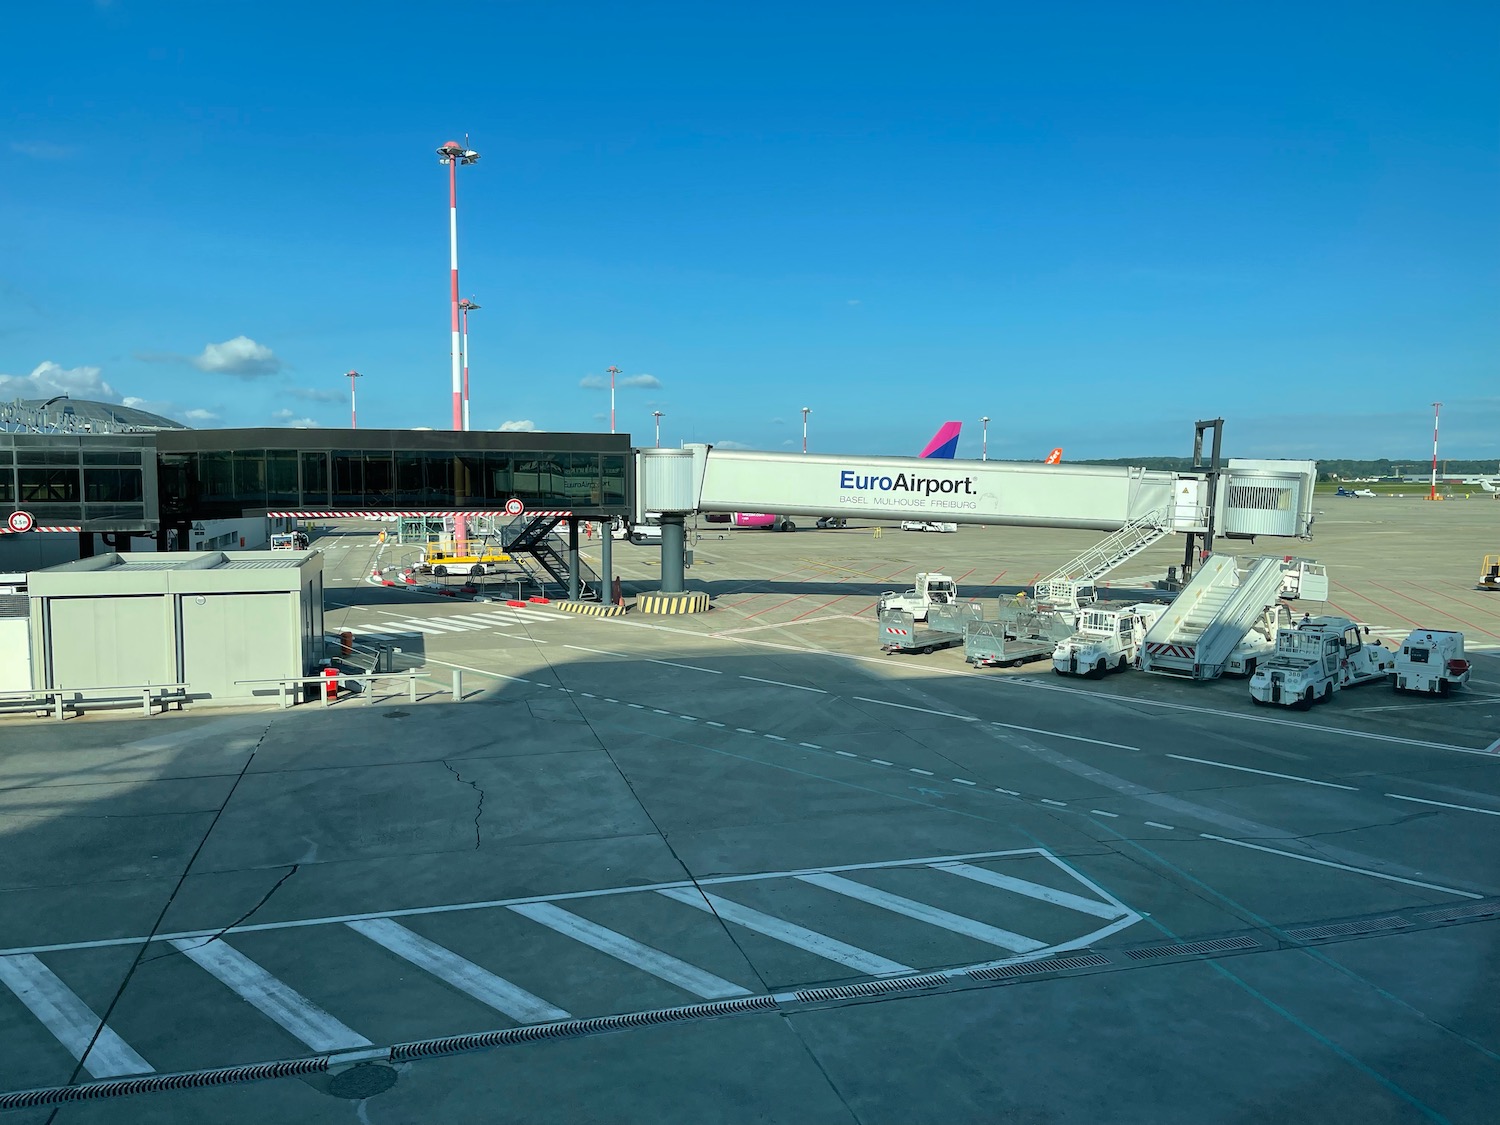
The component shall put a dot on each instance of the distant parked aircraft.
(1055, 457)
(1355, 492)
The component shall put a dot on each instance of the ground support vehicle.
(1433, 661)
(1225, 620)
(1489, 573)
(1303, 579)
(1106, 639)
(931, 590)
(927, 525)
(946, 627)
(832, 521)
(289, 541)
(1318, 657)
(1021, 634)
(473, 558)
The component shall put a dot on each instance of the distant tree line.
(1337, 468)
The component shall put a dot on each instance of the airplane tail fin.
(944, 443)
(1055, 457)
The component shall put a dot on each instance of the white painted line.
(774, 737)
(924, 773)
(820, 945)
(674, 664)
(1157, 824)
(1059, 734)
(407, 627)
(882, 762)
(1032, 890)
(601, 652)
(71, 1021)
(1493, 747)
(957, 923)
(608, 700)
(689, 718)
(1264, 773)
(815, 746)
(745, 730)
(1101, 812)
(1007, 792)
(1059, 804)
(447, 627)
(778, 683)
(670, 969)
(276, 1000)
(1342, 866)
(840, 753)
(924, 710)
(1443, 804)
(659, 711)
(460, 972)
(714, 724)
(961, 780)
(639, 707)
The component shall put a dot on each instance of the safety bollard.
(330, 685)
(346, 642)
(458, 685)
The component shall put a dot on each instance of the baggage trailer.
(1024, 631)
(1432, 661)
(945, 628)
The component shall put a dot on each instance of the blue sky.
(1094, 223)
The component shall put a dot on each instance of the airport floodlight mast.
(984, 441)
(1436, 409)
(657, 415)
(353, 411)
(806, 410)
(453, 154)
(466, 306)
(613, 371)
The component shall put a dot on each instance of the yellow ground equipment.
(1489, 573)
(476, 557)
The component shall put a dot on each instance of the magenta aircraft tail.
(944, 443)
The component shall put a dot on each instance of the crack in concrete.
(478, 809)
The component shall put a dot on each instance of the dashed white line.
(1059, 734)
(924, 710)
(882, 762)
(1101, 812)
(1341, 866)
(1443, 804)
(961, 780)
(1007, 792)
(637, 706)
(778, 683)
(815, 746)
(710, 721)
(689, 718)
(924, 773)
(659, 711)
(1263, 773)
(744, 730)
(1059, 804)
(774, 737)
(601, 651)
(840, 753)
(1157, 824)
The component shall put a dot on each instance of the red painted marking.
(841, 597)
(1373, 602)
(1435, 609)
(999, 576)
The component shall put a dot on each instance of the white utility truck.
(1105, 639)
(1320, 656)
(930, 590)
(1431, 660)
(927, 525)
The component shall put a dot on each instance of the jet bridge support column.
(1189, 554)
(606, 562)
(572, 558)
(673, 545)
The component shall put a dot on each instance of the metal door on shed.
(241, 636)
(110, 642)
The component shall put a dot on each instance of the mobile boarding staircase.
(1211, 616)
(1072, 586)
(541, 553)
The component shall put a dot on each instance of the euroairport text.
(902, 490)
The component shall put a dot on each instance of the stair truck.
(1225, 620)
(1023, 632)
(1431, 660)
(1106, 639)
(1319, 656)
(946, 626)
(930, 590)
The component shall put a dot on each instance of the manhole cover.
(362, 1081)
(397, 714)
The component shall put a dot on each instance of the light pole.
(984, 448)
(613, 371)
(453, 154)
(657, 415)
(1436, 409)
(465, 307)
(353, 412)
(806, 410)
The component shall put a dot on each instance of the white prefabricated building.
(208, 619)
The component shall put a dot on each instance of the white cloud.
(42, 150)
(315, 394)
(195, 416)
(50, 379)
(600, 383)
(289, 418)
(241, 356)
(731, 445)
(521, 426)
(852, 302)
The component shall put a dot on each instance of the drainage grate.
(1217, 945)
(155, 1083)
(569, 1028)
(1047, 965)
(870, 988)
(1341, 929)
(1447, 913)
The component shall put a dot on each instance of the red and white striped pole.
(465, 307)
(1436, 409)
(453, 154)
(353, 412)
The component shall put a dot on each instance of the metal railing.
(331, 692)
(57, 701)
